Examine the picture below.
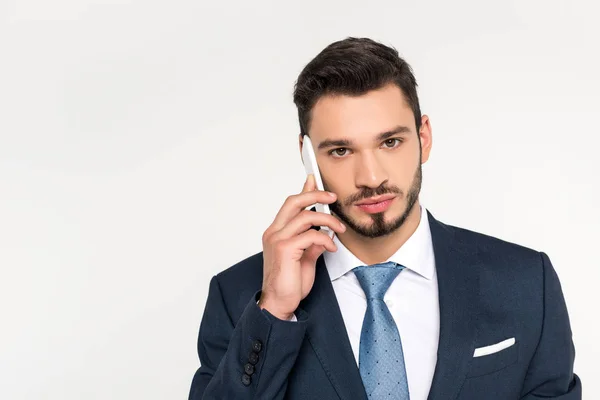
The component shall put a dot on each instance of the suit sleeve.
(246, 359)
(550, 374)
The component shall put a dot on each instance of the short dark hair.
(353, 67)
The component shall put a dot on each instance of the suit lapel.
(329, 339)
(458, 285)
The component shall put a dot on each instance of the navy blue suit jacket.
(489, 290)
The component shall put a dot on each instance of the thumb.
(310, 184)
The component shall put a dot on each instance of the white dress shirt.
(412, 300)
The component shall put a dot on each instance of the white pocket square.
(494, 348)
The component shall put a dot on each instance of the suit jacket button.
(253, 358)
(257, 346)
(246, 380)
(249, 369)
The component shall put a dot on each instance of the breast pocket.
(492, 358)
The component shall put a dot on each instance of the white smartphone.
(311, 167)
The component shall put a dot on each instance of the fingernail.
(331, 194)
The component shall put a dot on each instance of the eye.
(339, 152)
(391, 143)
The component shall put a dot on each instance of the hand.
(291, 250)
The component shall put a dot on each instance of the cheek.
(407, 175)
(337, 178)
(402, 169)
(332, 184)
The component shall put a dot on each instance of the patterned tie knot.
(376, 279)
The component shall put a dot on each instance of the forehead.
(360, 116)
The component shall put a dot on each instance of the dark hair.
(353, 66)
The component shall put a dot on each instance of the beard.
(378, 226)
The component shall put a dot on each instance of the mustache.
(368, 192)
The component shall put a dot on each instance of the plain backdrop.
(146, 145)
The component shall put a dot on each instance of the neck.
(378, 250)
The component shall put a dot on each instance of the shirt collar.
(416, 254)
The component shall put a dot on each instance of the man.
(397, 305)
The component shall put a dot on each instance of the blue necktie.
(381, 359)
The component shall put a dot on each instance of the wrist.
(282, 315)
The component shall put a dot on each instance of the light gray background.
(146, 145)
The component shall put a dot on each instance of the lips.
(375, 205)
(375, 200)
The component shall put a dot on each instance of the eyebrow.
(346, 142)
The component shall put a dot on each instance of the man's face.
(370, 155)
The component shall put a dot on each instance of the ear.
(300, 144)
(425, 138)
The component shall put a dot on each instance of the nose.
(369, 171)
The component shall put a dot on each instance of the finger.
(295, 204)
(313, 253)
(307, 219)
(312, 237)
